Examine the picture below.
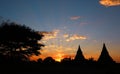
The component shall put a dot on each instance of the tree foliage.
(48, 60)
(19, 40)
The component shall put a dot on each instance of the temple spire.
(105, 58)
(79, 55)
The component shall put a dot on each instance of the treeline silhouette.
(18, 42)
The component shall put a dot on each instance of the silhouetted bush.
(49, 60)
(66, 61)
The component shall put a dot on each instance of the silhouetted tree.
(104, 57)
(48, 60)
(39, 60)
(91, 61)
(66, 61)
(19, 41)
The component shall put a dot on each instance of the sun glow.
(59, 57)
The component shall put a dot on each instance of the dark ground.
(59, 69)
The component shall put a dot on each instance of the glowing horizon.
(58, 51)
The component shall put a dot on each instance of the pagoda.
(79, 55)
(104, 57)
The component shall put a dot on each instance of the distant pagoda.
(105, 58)
(79, 55)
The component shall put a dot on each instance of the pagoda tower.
(104, 57)
(79, 55)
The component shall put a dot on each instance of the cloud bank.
(109, 2)
(62, 37)
(50, 35)
(75, 37)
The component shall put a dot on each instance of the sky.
(67, 24)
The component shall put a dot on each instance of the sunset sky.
(67, 24)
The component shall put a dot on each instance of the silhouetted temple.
(105, 58)
(79, 55)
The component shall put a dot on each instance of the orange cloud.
(66, 35)
(76, 37)
(110, 2)
(50, 35)
(62, 37)
(75, 17)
